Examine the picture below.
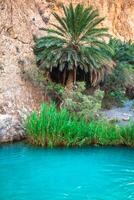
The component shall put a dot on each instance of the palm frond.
(76, 40)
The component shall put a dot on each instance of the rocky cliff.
(20, 19)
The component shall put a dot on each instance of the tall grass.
(57, 128)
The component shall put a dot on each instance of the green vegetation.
(74, 50)
(53, 87)
(75, 45)
(114, 87)
(79, 103)
(122, 76)
(123, 52)
(57, 128)
(34, 75)
(50, 89)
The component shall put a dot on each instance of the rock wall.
(119, 15)
(20, 19)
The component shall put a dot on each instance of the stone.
(126, 118)
(10, 129)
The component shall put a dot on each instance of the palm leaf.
(76, 40)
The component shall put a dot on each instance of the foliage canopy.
(75, 41)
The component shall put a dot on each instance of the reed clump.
(51, 128)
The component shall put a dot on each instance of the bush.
(35, 76)
(114, 87)
(54, 87)
(115, 84)
(82, 105)
(118, 96)
(116, 80)
(129, 75)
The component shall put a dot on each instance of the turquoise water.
(94, 173)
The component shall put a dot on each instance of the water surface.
(94, 173)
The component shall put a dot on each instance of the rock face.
(119, 16)
(17, 24)
(10, 129)
(19, 21)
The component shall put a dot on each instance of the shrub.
(35, 76)
(115, 84)
(53, 87)
(82, 105)
(129, 75)
(114, 87)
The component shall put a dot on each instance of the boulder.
(10, 129)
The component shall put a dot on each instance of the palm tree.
(75, 42)
(122, 51)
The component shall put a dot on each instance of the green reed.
(52, 128)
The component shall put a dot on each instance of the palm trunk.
(64, 77)
(74, 78)
(70, 80)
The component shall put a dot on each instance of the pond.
(94, 173)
